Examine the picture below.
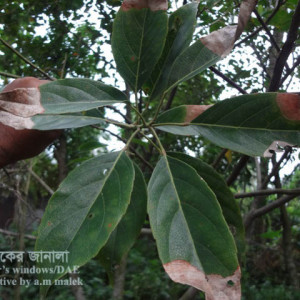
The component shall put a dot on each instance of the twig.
(260, 59)
(291, 70)
(171, 98)
(265, 27)
(276, 166)
(41, 181)
(286, 50)
(228, 80)
(127, 120)
(219, 158)
(25, 59)
(11, 233)
(8, 75)
(62, 72)
(237, 169)
(254, 33)
(130, 147)
(267, 208)
(190, 293)
(267, 192)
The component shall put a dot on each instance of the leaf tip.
(215, 286)
(220, 41)
(153, 5)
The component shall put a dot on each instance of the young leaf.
(139, 34)
(84, 211)
(217, 184)
(193, 239)
(251, 124)
(180, 34)
(129, 228)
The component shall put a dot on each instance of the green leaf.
(76, 95)
(193, 239)
(180, 34)
(49, 122)
(192, 61)
(251, 124)
(123, 237)
(84, 211)
(217, 184)
(137, 42)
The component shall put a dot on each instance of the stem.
(131, 137)
(268, 192)
(25, 59)
(162, 150)
(119, 124)
(139, 114)
(150, 140)
(9, 75)
(158, 109)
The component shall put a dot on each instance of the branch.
(171, 98)
(290, 71)
(130, 147)
(228, 80)
(265, 27)
(41, 181)
(219, 158)
(237, 169)
(267, 192)
(25, 59)
(254, 33)
(276, 167)
(11, 233)
(9, 75)
(267, 208)
(286, 50)
(127, 120)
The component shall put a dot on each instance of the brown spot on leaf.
(220, 41)
(49, 223)
(289, 104)
(154, 5)
(193, 111)
(246, 8)
(215, 286)
(132, 58)
(18, 101)
(109, 225)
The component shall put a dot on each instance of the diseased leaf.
(139, 34)
(193, 240)
(49, 106)
(217, 184)
(180, 34)
(84, 211)
(250, 124)
(182, 114)
(202, 54)
(129, 228)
